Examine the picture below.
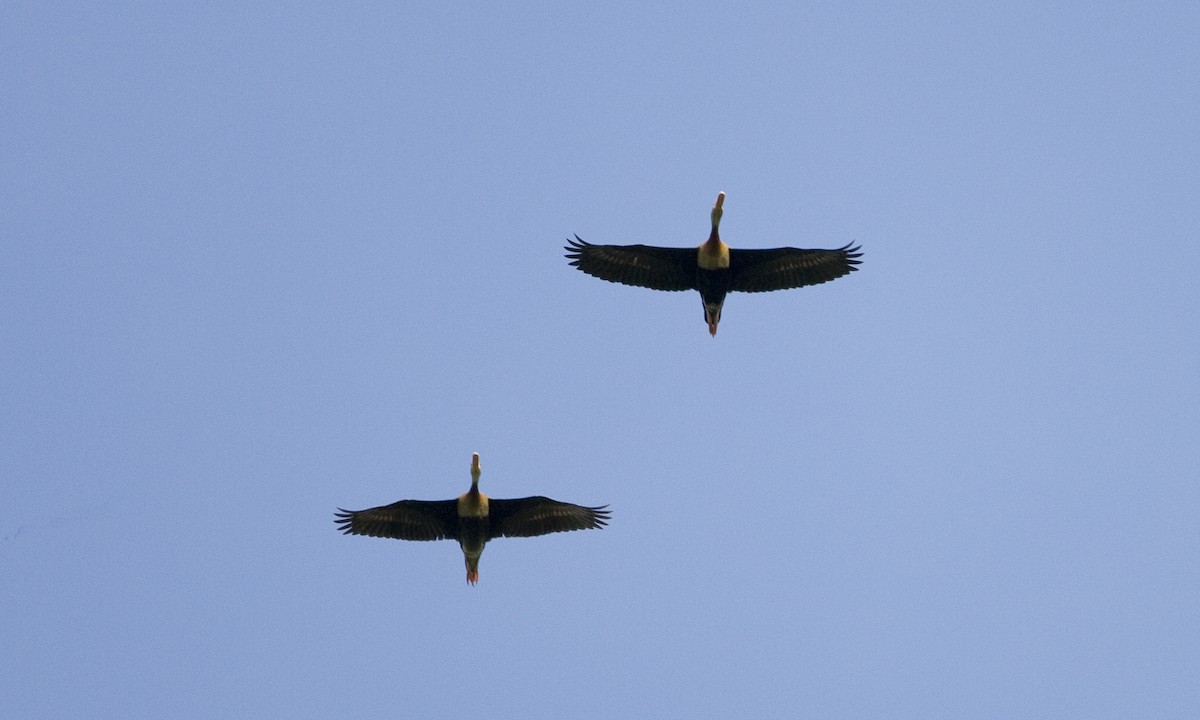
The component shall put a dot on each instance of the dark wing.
(404, 520)
(657, 268)
(783, 268)
(532, 516)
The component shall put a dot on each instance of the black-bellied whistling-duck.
(472, 519)
(714, 268)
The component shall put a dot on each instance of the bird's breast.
(473, 505)
(713, 256)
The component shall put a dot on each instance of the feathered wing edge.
(404, 520)
(531, 516)
(787, 267)
(657, 268)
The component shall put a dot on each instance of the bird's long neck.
(473, 503)
(714, 254)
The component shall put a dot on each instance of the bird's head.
(718, 210)
(476, 470)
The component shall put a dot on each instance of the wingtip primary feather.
(344, 520)
(852, 253)
(575, 247)
(600, 516)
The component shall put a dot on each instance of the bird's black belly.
(713, 284)
(473, 534)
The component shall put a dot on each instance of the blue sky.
(257, 262)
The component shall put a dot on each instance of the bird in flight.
(472, 519)
(714, 268)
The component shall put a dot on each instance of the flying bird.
(714, 268)
(472, 519)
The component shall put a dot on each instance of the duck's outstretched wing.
(527, 517)
(787, 267)
(404, 520)
(657, 268)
